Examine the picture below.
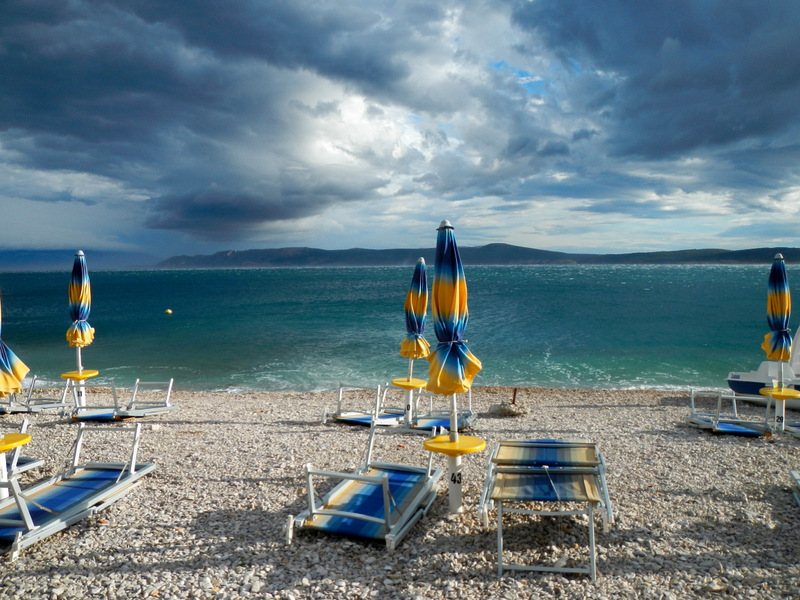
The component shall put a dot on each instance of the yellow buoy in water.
(168, 311)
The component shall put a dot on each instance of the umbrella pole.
(81, 400)
(454, 463)
(409, 414)
(453, 419)
(454, 494)
(3, 476)
(780, 405)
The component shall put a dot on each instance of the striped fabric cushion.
(547, 452)
(66, 493)
(367, 499)
(546, 487)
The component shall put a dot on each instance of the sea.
(664, 327)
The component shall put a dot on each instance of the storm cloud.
(558, 124)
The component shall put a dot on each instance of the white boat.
(769, 374)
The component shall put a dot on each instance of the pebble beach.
(698, 515)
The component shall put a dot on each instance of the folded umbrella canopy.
(12, 370)
(414, 345)
(80, 333)
(452, 366)
(778, 342)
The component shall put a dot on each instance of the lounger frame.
(19, 526)
(135, 408)
(396, 519)
(33, 404)
(565, 464)
(380, 414)
(728, 420)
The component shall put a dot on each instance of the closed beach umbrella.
(80, 333)
(414, 345)
(452, 366)
(12, 370)
(778, 342)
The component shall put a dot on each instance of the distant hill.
(491, 254)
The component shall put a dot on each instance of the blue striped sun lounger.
(37, 512)
(382, 415)
(528, 476)
(378, 501)
(33, 401)
(135, 408)
(723, 420)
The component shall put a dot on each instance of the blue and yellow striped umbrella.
(452, 366)
(12, 370)
(414, 345)
(80, 333)
(778, 342)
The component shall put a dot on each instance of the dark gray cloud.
(670, 77)
(255, 122)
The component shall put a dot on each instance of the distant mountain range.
(491, 254)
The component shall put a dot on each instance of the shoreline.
(698, 514)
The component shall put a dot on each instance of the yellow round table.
(780, 395)
(409, 384)
(454, 449)
(77, 388)
(80, 375)
(9, 442)
(465, 444)
(12, 440)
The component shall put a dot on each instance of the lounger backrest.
(154, 386)
(546, 452)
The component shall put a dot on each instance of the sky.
(193, 127)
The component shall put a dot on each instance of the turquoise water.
(611, 327)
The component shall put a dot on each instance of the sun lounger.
(34, 400)
(440, 418)
(528, 476)
(720, 419)
(37, 512)
(389, 417)
(148, 398)
(379, 501)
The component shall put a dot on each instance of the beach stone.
(698, 516)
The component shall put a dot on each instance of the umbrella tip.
(445, 224)
(79, 253)
(779, 256)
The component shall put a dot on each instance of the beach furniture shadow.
(378, 501)
(546, 478)
(718, 412)
(84, 488)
